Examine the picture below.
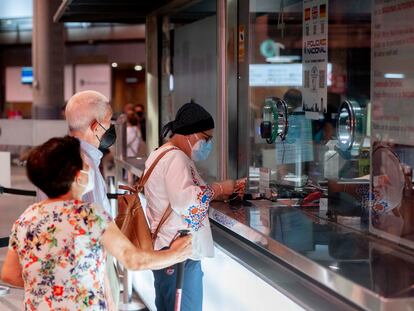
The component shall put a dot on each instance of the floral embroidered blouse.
(175, 181)
(62, 259)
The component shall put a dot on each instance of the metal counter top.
(372, 273)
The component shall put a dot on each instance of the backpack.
(131, 218)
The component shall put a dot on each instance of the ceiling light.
(138, 68)
(114, 65)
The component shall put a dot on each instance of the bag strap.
(145, 175)
(163, 219)
(140, 186)
(169, 210)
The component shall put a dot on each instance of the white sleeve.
(187, 196)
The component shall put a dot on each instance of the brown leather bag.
(131, 217)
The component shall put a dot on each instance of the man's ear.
(94, 124)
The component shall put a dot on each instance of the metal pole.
(180, 277)
(113, 183)
(126, 295)
(152, 85)
(222, 109)
(4, 290)
(48, 61)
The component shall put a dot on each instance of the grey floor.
(11, 206)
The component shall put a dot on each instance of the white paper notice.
(315, 55)
(393, 71)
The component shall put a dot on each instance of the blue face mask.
(201, 150)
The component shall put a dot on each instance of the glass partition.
(392, 213)
(310, 64)
(340, 74)
(189, 66)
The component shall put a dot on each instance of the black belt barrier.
(4, 242)
(29, 193)
(32, 193)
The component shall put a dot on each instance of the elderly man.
(88, 114)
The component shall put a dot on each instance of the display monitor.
(27, 75)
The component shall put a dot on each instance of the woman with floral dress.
(58, 247)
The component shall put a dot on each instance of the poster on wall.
(315, 56)
(95, 77)
(393, 71)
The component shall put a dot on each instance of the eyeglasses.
(102, 126)
(208, 137)
(112, 123)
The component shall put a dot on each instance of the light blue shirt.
(92, 157)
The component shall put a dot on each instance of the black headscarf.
(190, 118)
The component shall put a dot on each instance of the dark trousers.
(192, 294)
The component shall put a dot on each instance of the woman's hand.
(228, 186)
(182, 247)
(132, 258)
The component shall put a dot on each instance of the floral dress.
(62, 259)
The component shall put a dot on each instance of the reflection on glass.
(392, 200)
(292, 228)
(275, 70)
(345, 135)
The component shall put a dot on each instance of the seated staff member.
(176, 184)
(58, 247)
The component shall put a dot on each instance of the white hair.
(85, 107)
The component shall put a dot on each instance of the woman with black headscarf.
(177, 194)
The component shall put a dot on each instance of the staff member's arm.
(135, 259)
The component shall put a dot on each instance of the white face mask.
(90, 185)
(201, 149)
